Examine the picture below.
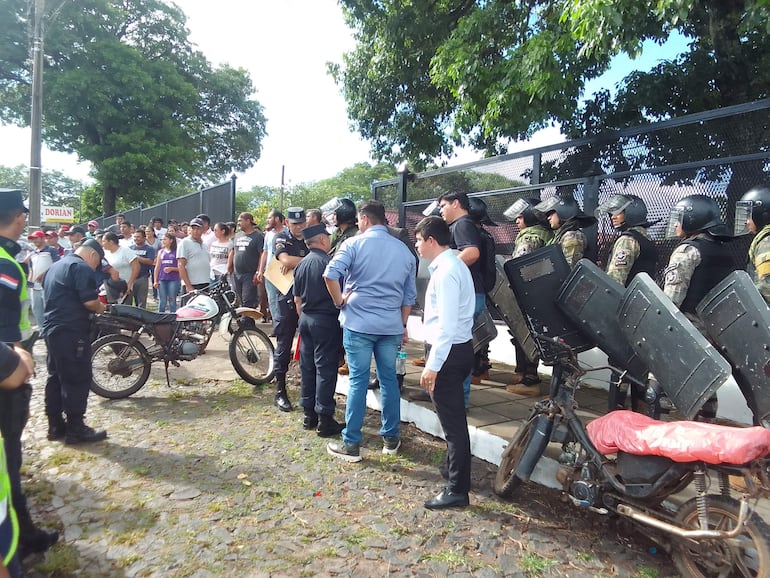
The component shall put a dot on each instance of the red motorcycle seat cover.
(680, 441)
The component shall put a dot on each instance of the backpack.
(487, 260)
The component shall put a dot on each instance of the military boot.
(281, 398)
(32, 539)
(311, 419)
(328, 427)
(79, 433)
(57, 428)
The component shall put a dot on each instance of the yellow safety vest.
(25, 326)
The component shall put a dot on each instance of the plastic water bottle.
(401, 361)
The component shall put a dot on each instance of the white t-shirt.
(198, 266)
(218, 252)
(121, 261)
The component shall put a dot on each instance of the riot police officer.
(290, 248)
(344, 211)
(567, 221)
(752, 215)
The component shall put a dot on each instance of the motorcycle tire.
(251, 353)
(746, 555)
(506, 483)
(120, 367)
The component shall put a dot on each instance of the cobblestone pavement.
(208, 478)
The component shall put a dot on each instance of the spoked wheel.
(120, 367)
(251, 353)
(506, 483)
(745, 556)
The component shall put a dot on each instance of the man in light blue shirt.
(448, 323)
(378, 273)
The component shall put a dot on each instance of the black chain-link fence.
(720, 153)
(218, 202)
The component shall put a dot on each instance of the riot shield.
(738, 321)
(590, 298)
(484, 331)
(687, 366)
(535, 279)
(501, 298)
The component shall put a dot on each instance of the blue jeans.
(272, 299)
(481, 302)
(38, 306)
(359, 348)
(167, 293)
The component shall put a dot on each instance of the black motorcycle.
(134, 338)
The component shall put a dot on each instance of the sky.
(285, 46)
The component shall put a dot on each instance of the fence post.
(590, 203)
(403, 178)
(233, 178)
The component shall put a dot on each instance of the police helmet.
(634, 209)
(525, 208)
(346, 212)
(696, 213)
(478, 212)
(755, 204)
(565, 207)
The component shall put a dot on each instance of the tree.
(125, 90)
(58, 188)
(426, 76)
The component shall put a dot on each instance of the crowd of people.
(344, 279)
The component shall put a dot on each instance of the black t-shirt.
(248, 248)
(69, 283)
(309, 284)
(466, 234)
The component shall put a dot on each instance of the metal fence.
(720, 153)
(218, 202)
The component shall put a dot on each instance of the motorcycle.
(629, 464)
(134, 338)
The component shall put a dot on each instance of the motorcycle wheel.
(120, 367)
(506, 483)
(251, 353)
(746, 555)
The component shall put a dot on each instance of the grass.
(535, 565)
(61, 560)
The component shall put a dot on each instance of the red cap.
(51, 234)
(36, 235)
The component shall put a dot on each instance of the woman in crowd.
(220, 250)
(166, 279)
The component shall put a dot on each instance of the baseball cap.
(93, 224)
(36, 235)
(312, 231)
(11, 199)
(64, 230)
(51, 234)
(295, 215)
(196, 222)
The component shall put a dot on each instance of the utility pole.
(36, 118)
(283, 172)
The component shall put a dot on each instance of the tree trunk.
(109, 196)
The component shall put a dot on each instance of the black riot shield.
(738, 321)
(501, 298)
(535, 279)
(687, 366)
(590, 298)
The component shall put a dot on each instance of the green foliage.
(125, 90)
(427, 76)
(57, 189)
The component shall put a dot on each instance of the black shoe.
(447, 499)
(374, 383)
(419, 395)
(310, 420)
(328, 427)
(56, 432)
(83, 434)
(282, 401)
(37, 541)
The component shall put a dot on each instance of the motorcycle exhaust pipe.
(541, 435)
(648, 520)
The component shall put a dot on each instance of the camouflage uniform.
(531, 238)
(677, 275)
(759, 262)
(573, 243)
(625, 251)
(339, 236)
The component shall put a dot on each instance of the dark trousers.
(243, 283)
(284, 327)
(449, 402)
(523, 364)
(14, 413)
(319, 350)
(69, 375)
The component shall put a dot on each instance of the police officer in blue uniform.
(320, 335)
(290, 248)
(14, 404)
(70, 298)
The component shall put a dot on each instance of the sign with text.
(57, 214)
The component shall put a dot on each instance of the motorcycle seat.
(680, 441)
(142, 314)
